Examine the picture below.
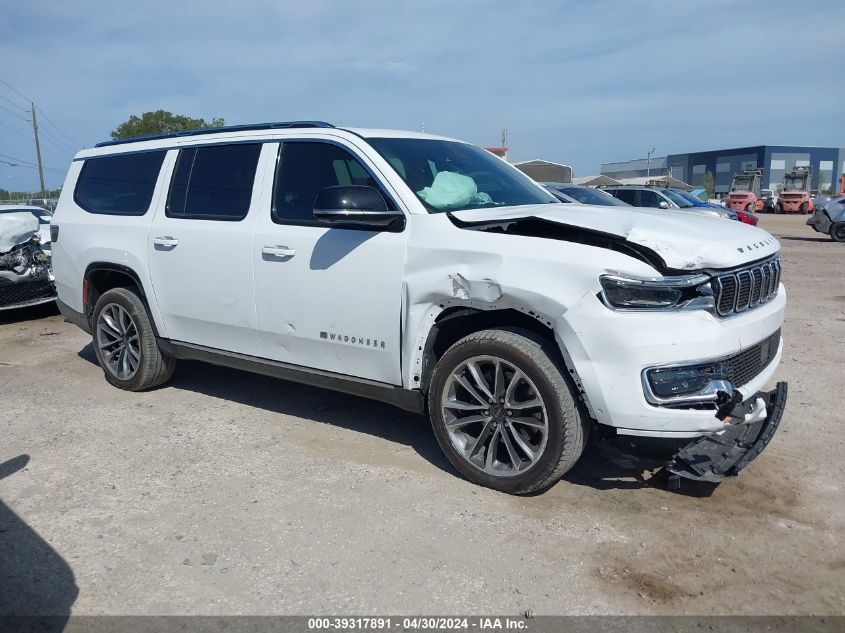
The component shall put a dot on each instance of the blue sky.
(580, 82)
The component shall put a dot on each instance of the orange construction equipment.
(745, 191)
(795, 197)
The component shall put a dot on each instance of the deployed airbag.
(16, 228)
(450, 190)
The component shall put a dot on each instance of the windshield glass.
(677, 199)
(793, 184)
(452, 176)
(741, 184)
(588, 195)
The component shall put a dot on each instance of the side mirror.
(663, 204)
(357, 207)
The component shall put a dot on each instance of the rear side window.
(122, 184)
(650, 199)
(626, 195)
(213, 183)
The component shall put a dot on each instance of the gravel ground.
(229, 493)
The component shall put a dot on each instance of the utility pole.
(38, 149)
(648, 164)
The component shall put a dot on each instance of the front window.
(793, 184)
(741, 184)
(588, 195)
(453, 176)
(678, 199)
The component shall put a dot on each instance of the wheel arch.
(101, 277)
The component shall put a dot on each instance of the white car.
(425, 272)
(25, 277)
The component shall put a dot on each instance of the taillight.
(85, 292)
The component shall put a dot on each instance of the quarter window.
(306, 168)
(121, 184)
(213, 182)
(650, 199)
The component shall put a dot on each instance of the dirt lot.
(228, 493)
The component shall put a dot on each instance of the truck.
(745, 194)
(795, 197)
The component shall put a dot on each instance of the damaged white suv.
(425, 272)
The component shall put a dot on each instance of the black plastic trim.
(406, 399)
(72, 316)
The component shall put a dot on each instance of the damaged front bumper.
(749, 428)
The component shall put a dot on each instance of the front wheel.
(503, 412)
(125, 342)
(837, 232)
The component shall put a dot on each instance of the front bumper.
(717, 456)
(28, 292)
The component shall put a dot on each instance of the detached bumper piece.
(723, 454)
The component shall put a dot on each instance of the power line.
(15, 114)
(5, 98)
(15, 90)
(59, 144)
(14, 130)
(76, 143)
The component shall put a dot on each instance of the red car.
(748, 218)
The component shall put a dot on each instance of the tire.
(779, 208)
(555, 447)
(750, 208)
(803, 208)
(118, 314)
(837, 232)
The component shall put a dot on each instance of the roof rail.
(215, 130)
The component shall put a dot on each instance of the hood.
(682, 241)
(16, 228)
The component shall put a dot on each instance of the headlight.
(687, 291)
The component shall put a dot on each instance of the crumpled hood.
(685, 241)
(16, 228)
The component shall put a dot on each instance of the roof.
(657, 181)
(241, 133)
(538, 161)
(595, 181)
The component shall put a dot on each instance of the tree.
(823, 184)
(709, 185)
(159, 122)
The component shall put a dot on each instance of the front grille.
(743, 367)
(746, 288)
(22, 294)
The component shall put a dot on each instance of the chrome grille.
(747, 287)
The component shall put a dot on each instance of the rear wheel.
(837, 232)
(750, 208)
(125, 342)
(503, 412)
(803, 207)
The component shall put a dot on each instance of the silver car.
(829, 217)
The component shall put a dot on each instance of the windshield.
(452, 176)
(741, 184)
(588, 195)
(793, 184)
(678, 199)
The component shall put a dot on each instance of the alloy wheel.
(118, 341)
(495, 416)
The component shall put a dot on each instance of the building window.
(699, 169)
(802, 163)
(778, 164)
(722, 168)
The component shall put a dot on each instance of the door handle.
(278, 251)
(166, 241)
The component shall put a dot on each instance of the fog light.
(688, 384)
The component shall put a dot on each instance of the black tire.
(538, 359)
(154, 368)
(779, 208)
(837, 232)
(803, 208)
(750, 208)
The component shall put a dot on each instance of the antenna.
(504, 137)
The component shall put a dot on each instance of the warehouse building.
(775, 160)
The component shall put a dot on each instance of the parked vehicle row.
(425, 272)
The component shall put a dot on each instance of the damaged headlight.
(627, 293)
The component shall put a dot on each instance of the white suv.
(428, 273)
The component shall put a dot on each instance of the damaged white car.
(425, 272)
(25, 276)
